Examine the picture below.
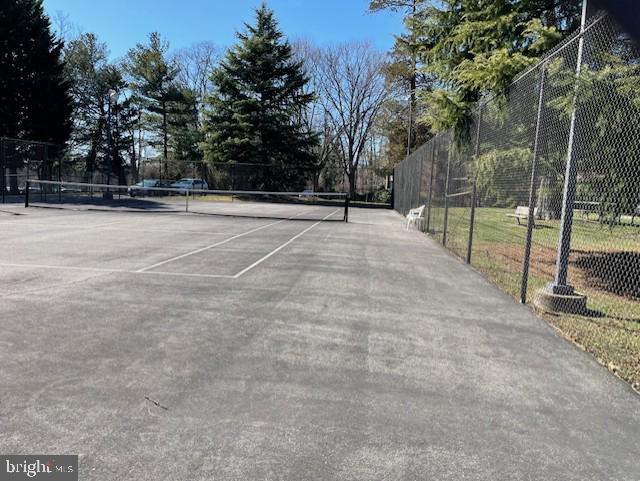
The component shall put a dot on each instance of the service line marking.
(203, 249)
(109, 227)
(278, 249)
(116, 271)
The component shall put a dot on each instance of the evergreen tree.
(253, 112)
(155, 88)
(403, 72)
(119, 135)
(86, 70)
(35, 101)
(477, 47)
(185, 133)
(92, 79)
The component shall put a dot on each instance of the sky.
(123, 23)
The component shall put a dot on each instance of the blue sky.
(123, 23)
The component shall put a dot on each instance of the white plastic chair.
(415, 217)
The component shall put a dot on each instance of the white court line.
(106, 224)
(112, 228)
(197, 251)
(72, 268)
(184, 274)
(75, 226)
(44, 224)
(145, 271)
(278, 249)
(116, 271)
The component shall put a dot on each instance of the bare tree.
(314, 115)
(65, 29)
(195, 65)
(353, 91)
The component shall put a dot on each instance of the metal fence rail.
(542, 193)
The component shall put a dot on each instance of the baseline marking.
(278, 249)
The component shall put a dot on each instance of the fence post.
(532, 191)
(433, 162)
(346, 208)
(3, 169)
(559, 286)
(393, 189)
(476, 153)
(446, 197)
(419, 178)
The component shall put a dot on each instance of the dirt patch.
(615, 273)
(543, 259)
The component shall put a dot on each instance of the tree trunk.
(352, 182)
(165, 140)
(140, 159)
(13, 180)
(412, 86)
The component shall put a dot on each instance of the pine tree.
(103, 147)
(119, 136)
(35, 102)
(253, 112)
(155, 89)
(185, 134)
(477, 47)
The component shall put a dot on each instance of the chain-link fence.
(21, 160)
(371, 183)
(254, 176)
(542, 192)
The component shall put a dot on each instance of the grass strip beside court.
(612, 330)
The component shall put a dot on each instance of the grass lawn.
(213, 198)
(604, 265)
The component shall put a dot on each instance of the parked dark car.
(146, 187)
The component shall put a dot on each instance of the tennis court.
(190, 346)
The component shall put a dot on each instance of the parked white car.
(183, 185)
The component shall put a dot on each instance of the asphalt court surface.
(186, 347)
(184, 245)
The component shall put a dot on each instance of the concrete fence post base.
(560, 299)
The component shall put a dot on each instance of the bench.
(522, 213)
(587, 208)
(415, 217)
(636, 213)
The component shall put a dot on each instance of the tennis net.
(146, 198)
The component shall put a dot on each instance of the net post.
(26, 193)
(187, 202)
(346, 208)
